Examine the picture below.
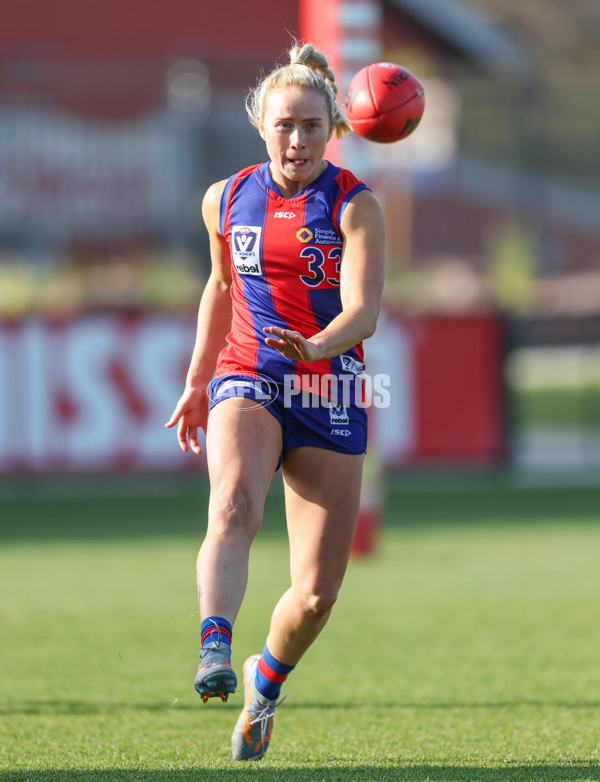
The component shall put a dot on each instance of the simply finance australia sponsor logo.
(245, 249)
(337, 391)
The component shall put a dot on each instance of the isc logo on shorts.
(245, 249)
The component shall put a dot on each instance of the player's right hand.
(191, 414)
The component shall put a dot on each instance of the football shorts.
(305, 419)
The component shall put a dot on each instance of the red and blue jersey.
(286, 256)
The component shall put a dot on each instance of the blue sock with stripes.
(270, 675)
(214, 629)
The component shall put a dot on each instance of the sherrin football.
(384, 102)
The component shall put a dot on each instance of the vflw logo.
(245, 249)
(338, 415)
(352, 365)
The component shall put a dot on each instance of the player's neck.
(290, 188)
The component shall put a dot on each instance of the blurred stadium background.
(114, 119)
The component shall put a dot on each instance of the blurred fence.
(553, 373)
(102, 168)
(491, 207)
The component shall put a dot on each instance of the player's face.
(296, 129)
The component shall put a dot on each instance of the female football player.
(297, 251)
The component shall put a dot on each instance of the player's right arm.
(214, 322)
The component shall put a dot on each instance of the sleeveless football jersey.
(286, 257)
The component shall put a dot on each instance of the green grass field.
(468, 648)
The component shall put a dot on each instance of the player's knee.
(317, 604)
(232, 512)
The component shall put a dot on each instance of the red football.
(384, 102)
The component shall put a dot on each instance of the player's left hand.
(291, 344)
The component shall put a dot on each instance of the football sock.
(214, 629)
(270, 675)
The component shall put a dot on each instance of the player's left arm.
(361, 285)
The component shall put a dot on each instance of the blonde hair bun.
(309, 69)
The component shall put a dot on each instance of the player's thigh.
(322, 496)
(243, 447)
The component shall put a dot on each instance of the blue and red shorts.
(305, 419)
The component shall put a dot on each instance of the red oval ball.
(384, 102)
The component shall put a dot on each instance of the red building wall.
(127, 29)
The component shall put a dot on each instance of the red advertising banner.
(458, 366)
(91, 394)
(447, 391)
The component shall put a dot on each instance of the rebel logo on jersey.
(245, 249)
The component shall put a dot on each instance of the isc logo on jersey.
(245, 249)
